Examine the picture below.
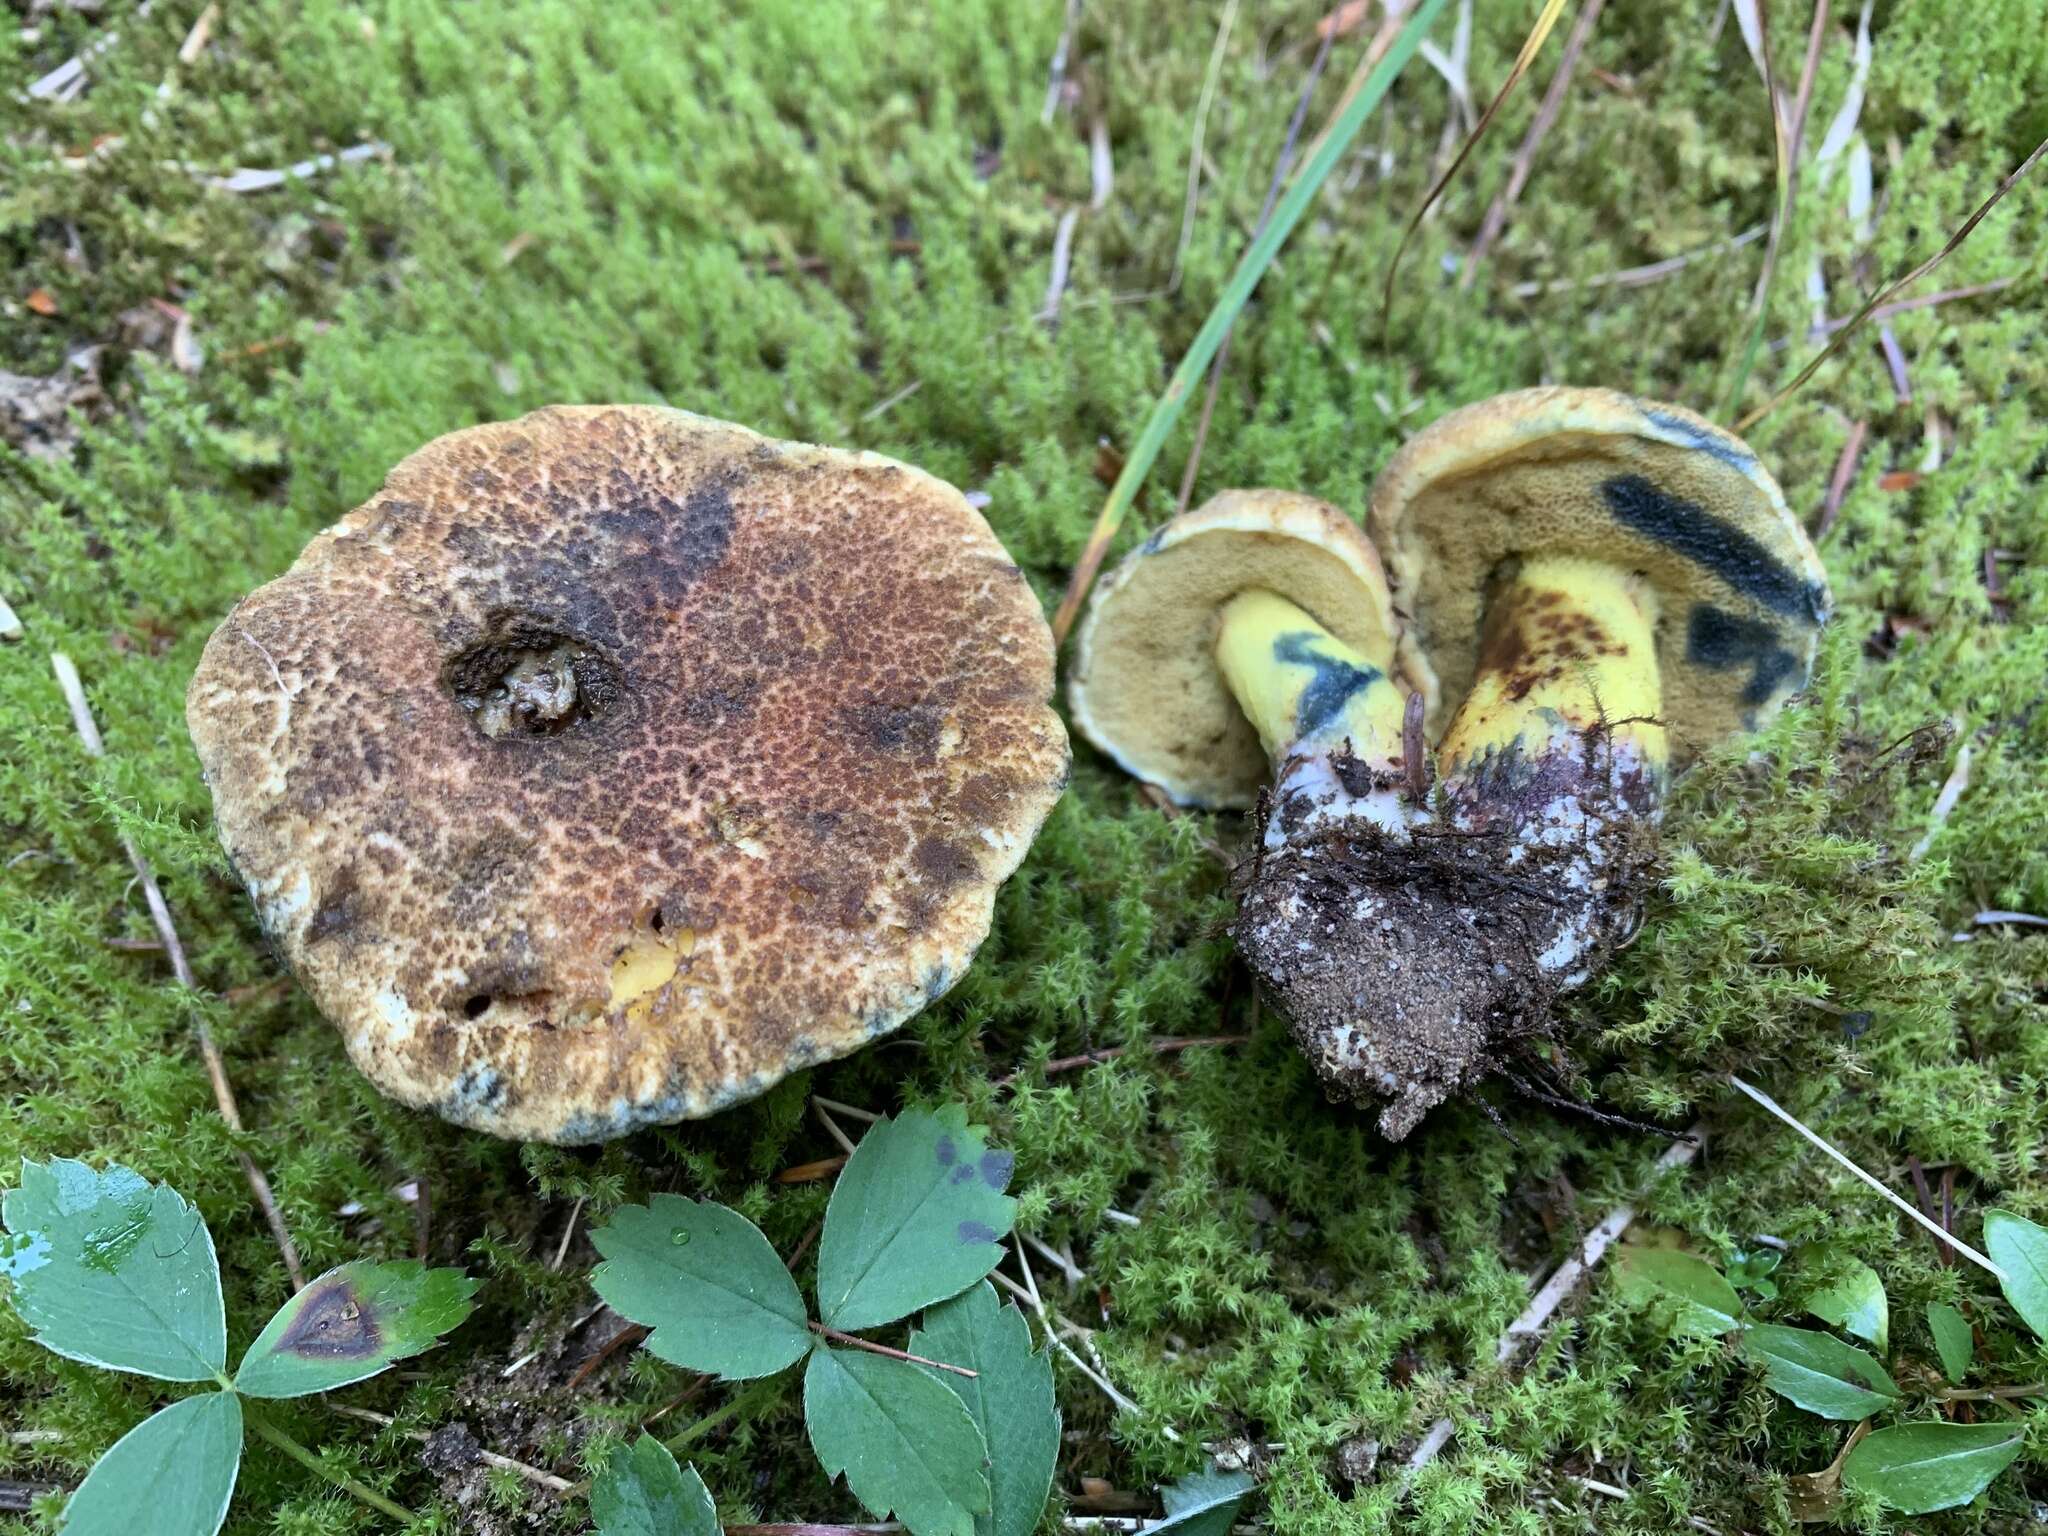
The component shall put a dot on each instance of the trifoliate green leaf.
(708, 1284)
(644, 1493)
(1202, 1505)
(1010, 1398)
(1856, 1304)
(171, 1475)
(2020, 1248)
(352, 1322)
(1819, 1373)
(1953, 1340)
(903, 1440)
(1707, 1303)
(918, 1215)
(114, 1271)
(1920, 1468)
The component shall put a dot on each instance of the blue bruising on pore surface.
(1153, 545)
(1724, 642)
(1335, 684)
(1692, 435)
(1714, 544)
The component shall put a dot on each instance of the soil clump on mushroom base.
(1409, 968)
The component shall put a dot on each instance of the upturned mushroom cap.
(1145, 686)
(1651, 489)
(612, 763)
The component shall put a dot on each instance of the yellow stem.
(1567, 647)
(1298, 683)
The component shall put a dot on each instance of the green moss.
(835, 222)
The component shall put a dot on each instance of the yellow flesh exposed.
(1297, 682)
(1567, 646)
(644, 967)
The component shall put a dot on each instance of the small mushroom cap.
(1145, 686)
(1653, 489)
(612, 763)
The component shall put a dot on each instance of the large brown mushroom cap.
(612, 763)
(1146, 687)
(1651, 489)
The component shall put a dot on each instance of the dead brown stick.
(1162, 1046)
(73, 689)
(854, 1341)
(1525, 157)
(1839, 481)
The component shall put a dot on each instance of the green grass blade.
(1257, 257)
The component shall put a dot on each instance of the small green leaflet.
(1820, 1373)
(918, 1215)
(644, 1493)
(1856, 1304)
(1202, 1505)
(1707, 1303)
(172, 1474)
(901, 1437)
(1920, 1468)
(351, 1323)
(1953, 1340)
(1010, 1398)
(114, 1271)
(706, 1280)
(2020, 1248)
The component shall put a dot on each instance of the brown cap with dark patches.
(1146, 687)
(1651, 489)
(613, 763)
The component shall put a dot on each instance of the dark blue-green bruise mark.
(971, 1232)
(1715, 544)
(1335, 684)
(1733, 454)
(1723, 642)
(335, 1322)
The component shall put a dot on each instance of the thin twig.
(854, 1341)
(1945, 802)
(1791, 134)
(532, 1474)
(832, 1127)
(1543, 1305)
(1840, 480)
(1037, 1304)
(160, 914)
(1525, 158)
(1643, 276)
(1885, 295)
(1161, 1046)
(568, 1232)
(1778, 1110)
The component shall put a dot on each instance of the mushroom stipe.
(1590, 586)
(611, 764)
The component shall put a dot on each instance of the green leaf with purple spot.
(351, 1323)
(918, 1215)
(171, 1475)
(112, 1270)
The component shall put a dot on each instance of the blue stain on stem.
(1335, 683)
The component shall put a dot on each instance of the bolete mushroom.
(1600, 586)
(612, 763)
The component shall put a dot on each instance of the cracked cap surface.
(610, 764)
(1145, 686)
(1651, 489)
